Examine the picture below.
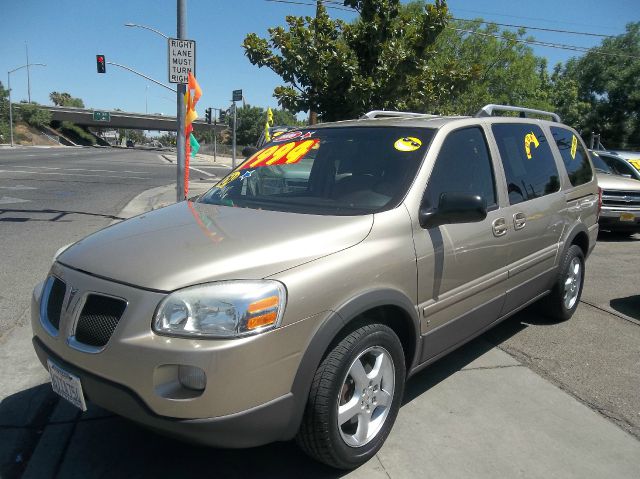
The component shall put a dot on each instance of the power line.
(531, 18)
(346, 9)
(560, 46)
(536, 28)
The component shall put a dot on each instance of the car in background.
(629, 168)
(620, 211)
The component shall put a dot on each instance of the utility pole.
(235, 124)
(180, 111)
(215, 139)
(26, 47)
(313, 115)
(10, 108)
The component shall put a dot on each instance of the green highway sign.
(101, 116)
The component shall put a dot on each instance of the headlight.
(221, 310)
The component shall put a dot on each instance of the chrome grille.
(621, 198)
(98, 320)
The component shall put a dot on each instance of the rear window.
(529, 166)
(573, 155)
(328, 171)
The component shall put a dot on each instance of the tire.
(564, 298)
(370, 348)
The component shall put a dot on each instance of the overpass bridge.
(123, 119)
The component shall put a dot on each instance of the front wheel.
(354, 398)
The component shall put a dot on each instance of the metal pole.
(233, 151)
(180, 112)
(215, 139)
(10, 108)
(26, 47)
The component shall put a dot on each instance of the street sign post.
(181, 59)
(237, 95)
(101, 116)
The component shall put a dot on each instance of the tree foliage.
(607, 79)
(33, 114)
(341, 70)
(492, 67)
(65, 99)
(251, 121)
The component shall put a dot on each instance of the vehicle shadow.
(629, 306)
(99, 444)
(612, 237)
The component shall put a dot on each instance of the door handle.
(499, 227)
(519, 221)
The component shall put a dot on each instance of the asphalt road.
(595, 356)
(50, 197)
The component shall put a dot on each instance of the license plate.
(627, 217)
(66, 385)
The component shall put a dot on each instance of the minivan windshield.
(327, 171)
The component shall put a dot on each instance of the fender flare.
(577, 229)
(328, 331)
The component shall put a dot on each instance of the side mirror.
(454, 208)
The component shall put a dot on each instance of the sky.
(66, 35)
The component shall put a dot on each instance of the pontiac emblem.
(72, 295)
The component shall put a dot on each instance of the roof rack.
(396, 114)
(488, 110)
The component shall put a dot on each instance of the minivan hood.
(189, 243)
(617, 182)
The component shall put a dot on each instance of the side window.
(574, 156)
(529, 166)
(463, 166)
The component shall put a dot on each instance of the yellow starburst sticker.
(530, 139)
(408, 143)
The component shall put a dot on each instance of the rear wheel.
(354, 398)
(564, 298)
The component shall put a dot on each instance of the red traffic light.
(101, 64)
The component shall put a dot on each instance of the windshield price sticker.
(285, 154)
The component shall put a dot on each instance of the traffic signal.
(223, 115)
(207, 115)
(101, 63)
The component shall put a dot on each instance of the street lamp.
(9, 87)
(146, 28)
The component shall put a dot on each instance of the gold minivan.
(295, 298)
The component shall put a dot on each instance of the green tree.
(489, 66)
(608, 78)
(33, 114)
(65, 99)
(250, 123)
(4, 114)
(342, 70)
(283, 117)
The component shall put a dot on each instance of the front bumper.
(249, 380)
(611, 219)
(260, 425)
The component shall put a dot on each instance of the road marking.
(74, 174)
(18, 187)
(201, 171)
(78, 169)
(7, 200)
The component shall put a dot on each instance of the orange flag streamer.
(191, 97)
(197, 91)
